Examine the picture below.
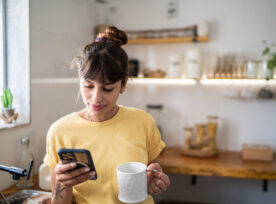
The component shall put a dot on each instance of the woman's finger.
(154, 187)
(154, 166)
(149, 176)
(72, 174)
(164, 177)
(62, 168)
(79, 179)
(160, 184)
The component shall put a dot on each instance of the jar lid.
(200, 125)
(212, 117)
(188, 128)
(155, 106)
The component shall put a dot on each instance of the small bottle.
(193, 63)
(24, 160)
(212, 126)
(200, 132)
(175, 66)
(188, 136)
(156, 111)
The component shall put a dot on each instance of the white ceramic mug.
(132, 182)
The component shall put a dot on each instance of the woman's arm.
(60, 193)
(63, 181)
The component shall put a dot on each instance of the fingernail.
(73, 164)
(87, 169)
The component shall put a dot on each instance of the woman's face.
(100, 98)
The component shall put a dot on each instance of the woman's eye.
(88, 87)
(108, 90)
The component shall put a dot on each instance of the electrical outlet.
(172, 8)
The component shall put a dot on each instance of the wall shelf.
(186, 81)
(167, 40)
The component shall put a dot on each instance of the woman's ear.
(123, 88)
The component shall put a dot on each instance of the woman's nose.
(97, 96)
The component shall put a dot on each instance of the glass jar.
(188, 135)
(252, 69)
(156, 112)
(24, 160)
(175, 66)
(193, 63)
(200, 132)
(212, 126)
(264, 72)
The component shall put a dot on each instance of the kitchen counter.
(226, 164)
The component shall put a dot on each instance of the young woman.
(113, 134)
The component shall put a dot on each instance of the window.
(15, 56)
(3, 66)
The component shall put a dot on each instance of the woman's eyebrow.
(109, 83)
(92, 82)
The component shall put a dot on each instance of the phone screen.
(82, 157)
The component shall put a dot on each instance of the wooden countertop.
(226, 164)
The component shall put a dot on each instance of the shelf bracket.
(193, 180)
(265, 185)
(195, 34)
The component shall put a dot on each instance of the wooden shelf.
(189, 81)
(167, 40)
(226, 164)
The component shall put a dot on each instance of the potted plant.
(269, 62)
(7, 100)
(267, 69)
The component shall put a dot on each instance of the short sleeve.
(51, 158)
(155, 143)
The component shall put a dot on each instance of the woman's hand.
(67, 177)
(158, 181)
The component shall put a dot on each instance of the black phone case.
(81, 156)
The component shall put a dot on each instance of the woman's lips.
(97, 107)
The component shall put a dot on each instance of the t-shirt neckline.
(106, 122)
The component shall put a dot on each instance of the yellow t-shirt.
(131, 135)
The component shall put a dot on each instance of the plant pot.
(265, 93)
(8, 112)
(264, 72)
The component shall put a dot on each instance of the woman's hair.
(104, 57)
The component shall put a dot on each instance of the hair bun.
(112, 34)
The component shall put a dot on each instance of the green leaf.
(4, 102)
(266, 51)
(7, 98)
(270, 64)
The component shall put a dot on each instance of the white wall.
(60, 28)
(235, 27)
(58, 31)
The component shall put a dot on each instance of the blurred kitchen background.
(58, 29)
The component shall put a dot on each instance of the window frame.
(4, 44)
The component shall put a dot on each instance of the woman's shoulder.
(135, 113)
(63, 122)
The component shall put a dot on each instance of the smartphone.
(82, 157)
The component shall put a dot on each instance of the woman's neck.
(99, 118)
